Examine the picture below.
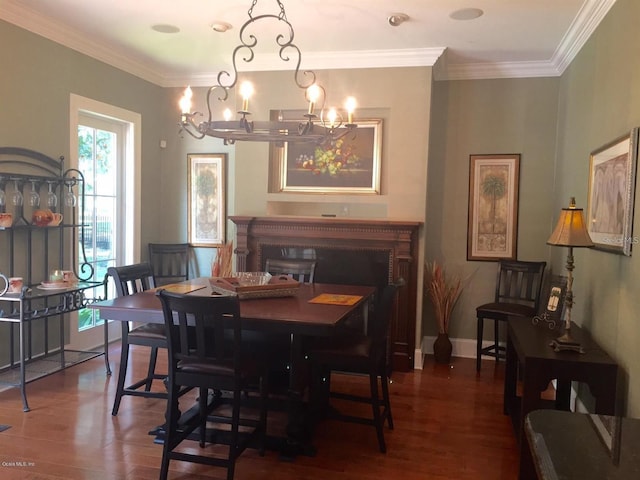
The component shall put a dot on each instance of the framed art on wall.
(612, 180)
(206, 199)
(350, 166)
(492, 231)
(552, 301)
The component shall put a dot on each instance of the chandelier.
(318, 126)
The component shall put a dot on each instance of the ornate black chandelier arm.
(275, 131)
(243, 129)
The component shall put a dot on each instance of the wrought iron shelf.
(31, 251)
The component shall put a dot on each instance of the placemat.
(179, 287)
(336, 299)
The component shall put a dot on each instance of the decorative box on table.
(277, 286)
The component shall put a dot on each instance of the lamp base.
(566, 343)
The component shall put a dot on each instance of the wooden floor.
(448, 425)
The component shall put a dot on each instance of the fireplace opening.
(343, 266)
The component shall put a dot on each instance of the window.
(105, 147)
(100, 159)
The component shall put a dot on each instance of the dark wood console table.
(348, 251)
(530, 356)
(565, 445)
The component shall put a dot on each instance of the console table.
(530, 357)
(565, 445)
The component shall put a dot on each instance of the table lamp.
(571, 232)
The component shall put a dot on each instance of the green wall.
(487, 117)
(37, 79)
(554, 123)
(600, 101)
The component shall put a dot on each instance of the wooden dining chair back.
(205, 352)
(359, 354)
(517, 294)
(130, 279)
(275, 348)
(170, 262)
(300, 270)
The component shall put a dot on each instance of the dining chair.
(276, 347)
(204, 340)
(517, 295)
(170, 262)
(357, 353)
(300, 270)
(130, 279)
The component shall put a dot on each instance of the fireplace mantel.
(396, 241)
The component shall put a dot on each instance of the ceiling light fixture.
(322, 129)
(466, 14)
(165, 28)
(396, 19)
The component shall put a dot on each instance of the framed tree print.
(492, 231)
(206, 200)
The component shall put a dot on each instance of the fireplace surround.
(348, 251)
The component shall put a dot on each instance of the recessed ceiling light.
(220, 26)
(164, 28)
(466, 14)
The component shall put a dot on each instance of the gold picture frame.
(206, 199)
(350, 166)
(492, 232)
(612, 179)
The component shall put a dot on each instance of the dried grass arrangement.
(444, 291)
(222, 264)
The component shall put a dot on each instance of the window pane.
(105, 163)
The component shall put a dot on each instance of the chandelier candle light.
(571, 232)
(323, 129)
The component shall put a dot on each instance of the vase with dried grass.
(444, 291)
(222, 264)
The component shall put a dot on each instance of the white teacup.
(56, 220)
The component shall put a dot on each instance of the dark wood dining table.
(293, 315)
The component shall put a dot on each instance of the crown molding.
(584, 24)
(420, 57)
(37, 23)
(588, 18)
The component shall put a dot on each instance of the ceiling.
(513, 38)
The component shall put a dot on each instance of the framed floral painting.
(351, 165)
(206, 199)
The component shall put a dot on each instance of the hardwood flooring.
(448, 425)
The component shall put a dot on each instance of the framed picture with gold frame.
(350, 166)
(492, 232)
(206, 199)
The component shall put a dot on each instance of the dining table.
(312, 310)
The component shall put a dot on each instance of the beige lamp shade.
(571, 230)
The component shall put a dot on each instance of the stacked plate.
(59, 285)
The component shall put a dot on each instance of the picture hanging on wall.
(492, 231)
(351, 165)
(206, 199)
(612, 180)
